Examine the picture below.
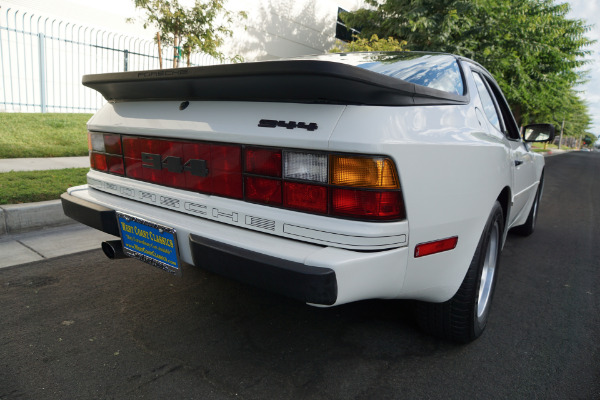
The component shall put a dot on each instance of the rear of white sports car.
(300, 176)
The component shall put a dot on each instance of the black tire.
(529, 226)
(464, 317)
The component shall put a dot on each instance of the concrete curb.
(17, 218)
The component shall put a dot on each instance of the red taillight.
(262, 162)
(115, 164)
(98, 161)
(199, 151)
(131, 147)
(112, 143)
(105, 152)
(307, 197)
(201, 167)
(226, 158)
(367, 204)
(226, 170)
(133, 169)
(227, 184)
(263, 190)
(438, 246)
(349, 186)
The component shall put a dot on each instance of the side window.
(343, 32)
(488, 104)
(512, 129)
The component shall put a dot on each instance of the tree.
(530, 46)
(589, 139)
(372, 44)
(574, 112)
(203, 27)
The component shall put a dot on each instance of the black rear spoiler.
(294, 81)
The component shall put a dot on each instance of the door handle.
(518, 162)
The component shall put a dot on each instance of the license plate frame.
(150, 242)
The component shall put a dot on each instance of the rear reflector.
(438, 246)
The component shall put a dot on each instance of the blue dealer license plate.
(149, 242)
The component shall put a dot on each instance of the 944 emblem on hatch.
(271, 123)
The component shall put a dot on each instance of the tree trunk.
(176, 50)
(562, 128)
(159, 49)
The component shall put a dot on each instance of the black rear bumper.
(90, 214)
(292, 279)
(308, 284)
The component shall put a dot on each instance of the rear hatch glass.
(435, 71)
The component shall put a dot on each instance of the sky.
(114, 13)
(589, 10)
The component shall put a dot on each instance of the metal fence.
(42, 60)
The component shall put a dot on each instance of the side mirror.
(538, 133)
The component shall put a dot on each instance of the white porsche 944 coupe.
(329, 179)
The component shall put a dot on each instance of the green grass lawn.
(31, 186)
(537, 146)
(43, 135)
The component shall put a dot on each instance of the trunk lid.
(304, 126)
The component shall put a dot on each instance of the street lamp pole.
(562, 128)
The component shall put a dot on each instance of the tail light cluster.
(343, 185)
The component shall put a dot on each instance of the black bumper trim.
(90, 214)
(305, 283)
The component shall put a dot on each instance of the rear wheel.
(464, 317)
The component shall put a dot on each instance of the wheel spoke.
(487, 271)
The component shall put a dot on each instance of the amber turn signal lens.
(364, 172)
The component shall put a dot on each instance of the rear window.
(436, 71)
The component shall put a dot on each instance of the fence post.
(126, 60)
(42, 55)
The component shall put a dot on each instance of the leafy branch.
(203, 27)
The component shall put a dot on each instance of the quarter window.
(488, 104)
(343, 32)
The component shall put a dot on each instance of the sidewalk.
(18, 218)
(48, 243)
(39, 164)
(37, 231)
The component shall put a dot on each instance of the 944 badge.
(272, 123)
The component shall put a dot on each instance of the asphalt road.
(84, 327)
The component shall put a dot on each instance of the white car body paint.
(452, 165)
